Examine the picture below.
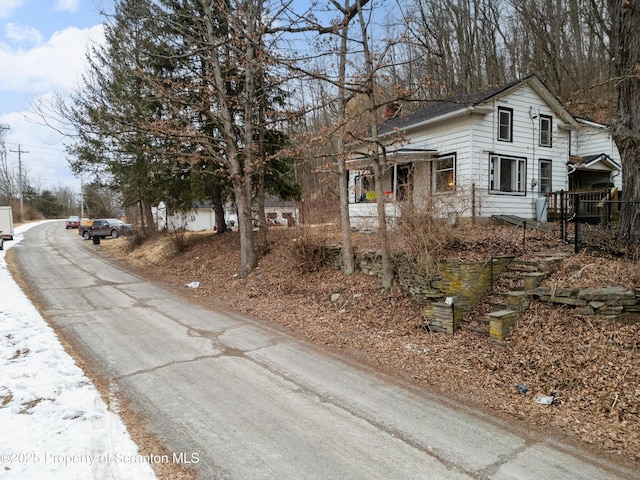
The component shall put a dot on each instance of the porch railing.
(562, 204)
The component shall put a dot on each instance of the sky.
(42, 52)
(43, 44)
(55, 425)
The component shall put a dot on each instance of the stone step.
(520, 269)
(481, 331)
(500, 324)
(496, 304)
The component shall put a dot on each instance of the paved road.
(255, 403)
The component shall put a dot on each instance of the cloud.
(67, 5)
(22, 34)
(55, 64)
(35, 72)
(7, 7)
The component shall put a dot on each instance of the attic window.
(546, 127)
(505, 124)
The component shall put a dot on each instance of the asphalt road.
(248, 401)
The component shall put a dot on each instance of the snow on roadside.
(54, 423)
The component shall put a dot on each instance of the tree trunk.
(149, 223)
(348, 255)
(625, 35)
(379, 161)
(239, 163)
(218, 209)
(242, 190)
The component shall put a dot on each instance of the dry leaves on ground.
(590, 365)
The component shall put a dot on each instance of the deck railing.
(562, 204)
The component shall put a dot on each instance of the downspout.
(533, 160)
(617, 172)
(572, 168)
(613, 176)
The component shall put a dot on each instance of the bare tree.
(377, 149)
(462, 46)
(8, 180)
(348, 263)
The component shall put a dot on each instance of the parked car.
(73, 222)
(107, 227)
(85, 223)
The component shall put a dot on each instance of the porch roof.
(397, 156)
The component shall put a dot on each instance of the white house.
(596, 161)
(202, 216)
(495, 153)
(281, 212)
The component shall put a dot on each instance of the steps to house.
(510, 294)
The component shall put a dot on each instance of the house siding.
(525, 104)
(593, 139)
(473, 138)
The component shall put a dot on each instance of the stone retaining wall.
(608, 301)
(464, 283)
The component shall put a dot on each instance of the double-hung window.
(505, 124)
(444, 173)
(546, 127)
(507, 174)
(544, 175)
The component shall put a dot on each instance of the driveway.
(236, 398)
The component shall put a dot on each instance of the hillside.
(591, 365)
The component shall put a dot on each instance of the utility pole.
(3, 128)
(20, 152)
(81, 198)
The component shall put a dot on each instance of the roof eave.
(464, 110)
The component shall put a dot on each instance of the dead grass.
(591, 365)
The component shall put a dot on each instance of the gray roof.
(438, 109)
(587, 160)
(457, 103)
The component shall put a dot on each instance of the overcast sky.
(42, 50)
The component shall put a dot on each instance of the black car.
(107, 227)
